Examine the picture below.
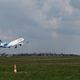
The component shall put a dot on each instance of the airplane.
(13, 43)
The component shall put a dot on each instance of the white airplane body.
(13, 43)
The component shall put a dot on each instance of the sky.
(48, 25)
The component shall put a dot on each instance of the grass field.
(40, 68)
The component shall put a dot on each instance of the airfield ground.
(40, 68)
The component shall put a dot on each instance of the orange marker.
(14, 68)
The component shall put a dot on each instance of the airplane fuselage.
(13, 43)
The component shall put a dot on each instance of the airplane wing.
(16, 42)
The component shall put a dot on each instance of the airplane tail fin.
(0, 41)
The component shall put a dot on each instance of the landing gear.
(15, 46)
(20, 44)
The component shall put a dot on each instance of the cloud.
(75, 3)
(40, 21)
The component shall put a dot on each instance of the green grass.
(40, 68)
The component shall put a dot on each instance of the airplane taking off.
(13, 43)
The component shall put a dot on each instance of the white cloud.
(55, 35)
(48, 19)
(7, 37)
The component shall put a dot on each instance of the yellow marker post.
(14, 68)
